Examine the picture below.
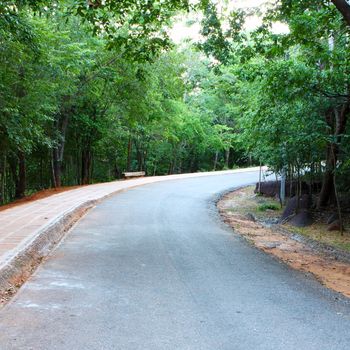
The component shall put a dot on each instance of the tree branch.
(344, 8)
(330, 94)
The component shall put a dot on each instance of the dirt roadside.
(251, 217)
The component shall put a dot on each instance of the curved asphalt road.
(153, 268)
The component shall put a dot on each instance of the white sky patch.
(181, 30)
(280, 28)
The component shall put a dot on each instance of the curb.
(18, 268)
(15, 271)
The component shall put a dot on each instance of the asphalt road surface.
(153, 268)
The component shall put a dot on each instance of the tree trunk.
(3, 181)
(18, 171)
(117, 173)
(337, 120)
(170, 169)
(56, 168)
(58, 151)
(337, 196)
(140, 158)
(344, 8)
(22, 175)
(327, 189)
(260, 173)
(41, 173)
(128, 162)
(86, 158)
(154, 169)
(227, 157)
(216, 160)
(173, 170)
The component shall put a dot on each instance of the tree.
(344, 8)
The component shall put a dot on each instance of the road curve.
(153, 268)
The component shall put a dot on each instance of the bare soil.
(272, 238)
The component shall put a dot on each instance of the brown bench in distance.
(129, 175)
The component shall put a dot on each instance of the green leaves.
(133, 27)
(215, 43)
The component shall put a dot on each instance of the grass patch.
(318, 232)
(344, 246)
(268, 206)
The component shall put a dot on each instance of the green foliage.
(268, 206)
(91, 89)
(78, 106)
(215, 43)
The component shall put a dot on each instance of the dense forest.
(90, 89)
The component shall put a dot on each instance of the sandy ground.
(330, 272)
